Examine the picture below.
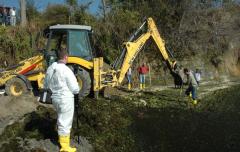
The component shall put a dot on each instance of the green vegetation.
(14, 44)
(105, 123)
(167, 122)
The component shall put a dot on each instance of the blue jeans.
(129, 78)
(142, 78)
(193, 90)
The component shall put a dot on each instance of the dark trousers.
(193, 91)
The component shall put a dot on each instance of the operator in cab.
(63, 84)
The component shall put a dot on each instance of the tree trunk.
(104, 9)
(23, 12)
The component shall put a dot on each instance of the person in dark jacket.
(192, 85)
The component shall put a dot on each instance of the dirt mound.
(35, 132)
(13, 108)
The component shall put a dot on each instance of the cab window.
(79, 44)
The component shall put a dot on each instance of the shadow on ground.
(174, 130)
(212, 126)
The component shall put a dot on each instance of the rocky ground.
(157, 119)
(13, 109)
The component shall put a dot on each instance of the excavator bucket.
(179, 77)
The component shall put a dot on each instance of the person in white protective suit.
(63, 83)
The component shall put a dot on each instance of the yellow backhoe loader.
(17, 79)
(87, 68)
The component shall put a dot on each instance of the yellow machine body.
(34, 68)
(132, 50)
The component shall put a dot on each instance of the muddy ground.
(157, 119)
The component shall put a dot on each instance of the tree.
(72, 4)
(81, 15)
(104, 9)
(32, 11)
(23, 12)
(56, 14)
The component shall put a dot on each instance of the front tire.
(15, 87)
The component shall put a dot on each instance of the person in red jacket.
(142, 70)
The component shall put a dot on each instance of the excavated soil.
(14, 108)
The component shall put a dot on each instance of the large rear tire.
(15, 87)
(84, 82)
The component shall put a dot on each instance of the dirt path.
(205, 88)
(208, 87)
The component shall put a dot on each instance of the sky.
(41, 4)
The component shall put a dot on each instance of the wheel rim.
(80, 83)
(16, 89)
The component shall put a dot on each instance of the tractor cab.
(75, 38)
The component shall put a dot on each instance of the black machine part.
(50, 56)
(84, 80)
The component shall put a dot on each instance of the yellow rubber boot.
(141, 86)
(195, 102)
(64, 142)
(129, 86)
(190, 95)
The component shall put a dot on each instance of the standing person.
(192, 85)
(198, 76)
(1, 16)
(61, 80)
(142, 70)
(13, 16)
(4, 17)
(129, 78)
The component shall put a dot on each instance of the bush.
(14, 45)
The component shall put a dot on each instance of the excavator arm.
(115, 76)
(135, 45)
